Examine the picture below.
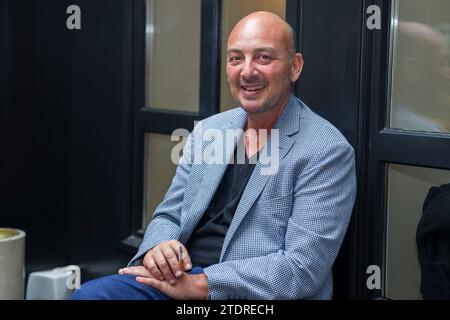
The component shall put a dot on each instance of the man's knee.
(105, 288)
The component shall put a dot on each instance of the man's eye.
(234, 59)
(264, 58)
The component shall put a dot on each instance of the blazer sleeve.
(324, 195)
(165, 224)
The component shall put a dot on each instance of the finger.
(152, 267)
(172, 258)
(137, 271)
(164, 266)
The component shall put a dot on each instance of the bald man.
(241, 232)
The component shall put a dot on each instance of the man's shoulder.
(226, 115)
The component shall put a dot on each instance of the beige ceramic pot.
(12, 264)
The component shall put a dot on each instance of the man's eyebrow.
(233, 51)
(268, 49)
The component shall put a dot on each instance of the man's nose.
(248, 70)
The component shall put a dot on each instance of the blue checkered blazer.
(287, 228)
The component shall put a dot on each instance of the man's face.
(258, 66)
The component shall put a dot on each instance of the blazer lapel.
(287, 124)
(211, 180)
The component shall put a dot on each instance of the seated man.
(250, 233)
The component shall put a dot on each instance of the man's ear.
(296, 67)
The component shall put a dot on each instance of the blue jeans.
(121, 287)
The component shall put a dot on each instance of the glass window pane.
(408, 187)
(420, 84)
(158, 170)
(232, 12)
(173, 54)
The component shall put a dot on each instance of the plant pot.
(12, 264)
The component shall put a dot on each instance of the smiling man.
(239, 233)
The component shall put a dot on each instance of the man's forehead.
(255, 39)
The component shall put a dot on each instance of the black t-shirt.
(205, 244)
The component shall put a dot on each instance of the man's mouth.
(252, 88)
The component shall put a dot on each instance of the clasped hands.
(163, 271)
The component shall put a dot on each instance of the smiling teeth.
(253, 88)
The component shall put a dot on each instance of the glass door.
(418, 184)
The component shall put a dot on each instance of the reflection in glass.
(408, 188)
(232, 12)
(420, 88)
(173, 54)
(158, 171)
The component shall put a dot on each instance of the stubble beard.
(268, 104)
